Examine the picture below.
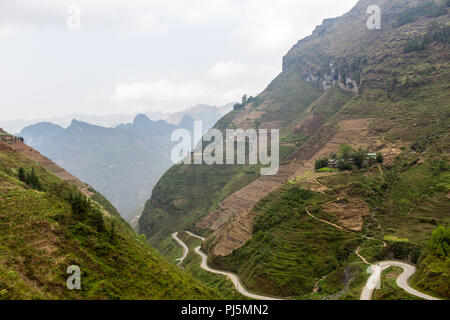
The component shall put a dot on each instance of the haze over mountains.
(123, 162)
(110, 121)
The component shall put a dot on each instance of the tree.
(244, 100)
(33, 180)
(237, 106)
(440, 241)
(345, 151)
(321, 163)
(97, 220)
(22, 174)
(112, 233)
(344, 165)
(359, 157)
(380, 157)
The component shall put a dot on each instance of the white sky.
(145, 55)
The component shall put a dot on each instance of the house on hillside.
(333, 163)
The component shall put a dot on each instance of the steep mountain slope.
(385, 91)
(47, 225)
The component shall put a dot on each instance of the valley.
(357, 123)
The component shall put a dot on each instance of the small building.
(333, 163)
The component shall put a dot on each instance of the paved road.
(232, 277)
(204, 265)
(402, 280)
(195, 236)
(183, 245)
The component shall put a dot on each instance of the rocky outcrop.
(331, 75)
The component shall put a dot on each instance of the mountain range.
(110, 121)
(124, 162)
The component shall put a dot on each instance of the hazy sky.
(130, 56)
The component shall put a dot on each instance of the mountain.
(208, 114)
(147, 127)
(364, 119)
(123, 163)
(47, 225)
(40, 132)
(64, 121)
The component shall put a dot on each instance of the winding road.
(402, 280)
(366, 294)
(183, 245)
(377, 268)
(204, 265)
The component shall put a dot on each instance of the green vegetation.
(347, 158)
(433, 273)
(42, 232)
(428, 9)
(289, 250)
(442, 34)
(389, 289)
(321, 163)
(31, 179)
(245, 101)
(186, 193)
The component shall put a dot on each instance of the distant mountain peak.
(142, 119)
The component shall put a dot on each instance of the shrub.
(321, 163)
(440, 241)
(22, 175)
(428, 9)
(31, 179)
(345, 165)
(380, 157)
(439, 34)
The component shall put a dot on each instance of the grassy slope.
(289, 250)
(185, 193)
(433, 274)
(40, 238)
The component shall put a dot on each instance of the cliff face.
(340, 49)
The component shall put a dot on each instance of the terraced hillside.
(346, 92)
(47, 225)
